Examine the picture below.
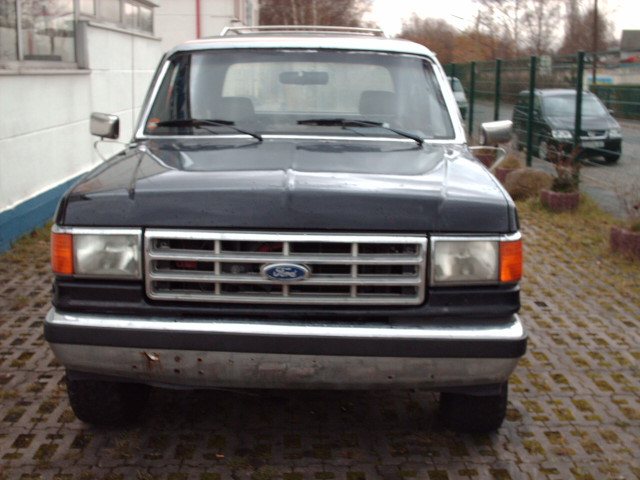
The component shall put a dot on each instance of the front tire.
(107, 403)
(612, 158)
(545, 151)
(515, 142)
(466, 413)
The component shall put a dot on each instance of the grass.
(30, 250)
(581, 236)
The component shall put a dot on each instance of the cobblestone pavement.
(574, 409)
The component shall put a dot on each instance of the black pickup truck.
(294, 210)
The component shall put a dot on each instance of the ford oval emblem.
(285, 272)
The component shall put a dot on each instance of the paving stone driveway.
(574, 408)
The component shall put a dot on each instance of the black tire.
(545, 150)
(515, 142)
(612, 158)
(474, 414)
(107, 403)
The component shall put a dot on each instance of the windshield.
(565, 106)
(269, 91)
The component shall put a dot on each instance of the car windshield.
(565, 106)
(267, 91)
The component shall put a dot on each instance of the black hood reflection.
(287, 185)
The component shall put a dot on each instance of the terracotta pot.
(501, 173)
(487, 159)
(625, 242)
(560, 201)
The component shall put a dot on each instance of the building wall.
(177, 21)
(45, 144)
(44, 128)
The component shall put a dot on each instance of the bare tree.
(502, 19)
(588, 30)
(434, 33)
(347, 13)
(541, 21)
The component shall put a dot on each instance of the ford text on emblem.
(285, 272)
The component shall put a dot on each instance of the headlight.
(561, 134)
(474, 261)
(615, 133)
(86, 252)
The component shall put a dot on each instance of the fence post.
(532, 88)
(579, 80)
(472, 97)
(496, 107)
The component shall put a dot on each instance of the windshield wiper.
(348, 122)
(203, 123)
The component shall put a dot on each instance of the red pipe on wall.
(198, 16)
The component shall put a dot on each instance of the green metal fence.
(495, 88)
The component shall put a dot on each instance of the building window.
(87, 7)
(8, 30)
(129, 14)
(45, 30)
(37, 30)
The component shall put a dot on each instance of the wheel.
(515, 142)
(612, 158)
(106, 403)
(474, 413)
(544, 150)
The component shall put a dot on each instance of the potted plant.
(486, 155)
(509, 164)
(625, 239)
(564, 195)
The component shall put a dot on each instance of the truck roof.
(307, 40)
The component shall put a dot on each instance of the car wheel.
(515, 142)
(612, 158)
(107, 403)
(474, 413)
(543, 150)
(549, 151)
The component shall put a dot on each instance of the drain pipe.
(198, 19)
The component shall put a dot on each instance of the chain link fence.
(556, 102)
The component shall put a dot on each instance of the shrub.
(527, 182)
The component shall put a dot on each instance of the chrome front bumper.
(201, 353)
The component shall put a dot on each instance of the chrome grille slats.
(359, 269)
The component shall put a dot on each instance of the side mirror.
(104, 125)
(492, 133)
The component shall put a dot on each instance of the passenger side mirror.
(492, 133)
(105, 125)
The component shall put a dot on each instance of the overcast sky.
(390, 13)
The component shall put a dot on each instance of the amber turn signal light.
(62, 253)
(510, 261)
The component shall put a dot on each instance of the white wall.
(44, 125)
(176, 20)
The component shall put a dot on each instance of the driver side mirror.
(105, 125)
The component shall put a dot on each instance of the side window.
(537, 104)
(172, 99)
(523, 102)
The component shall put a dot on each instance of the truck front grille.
(204, 266)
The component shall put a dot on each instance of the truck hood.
(285, 185)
